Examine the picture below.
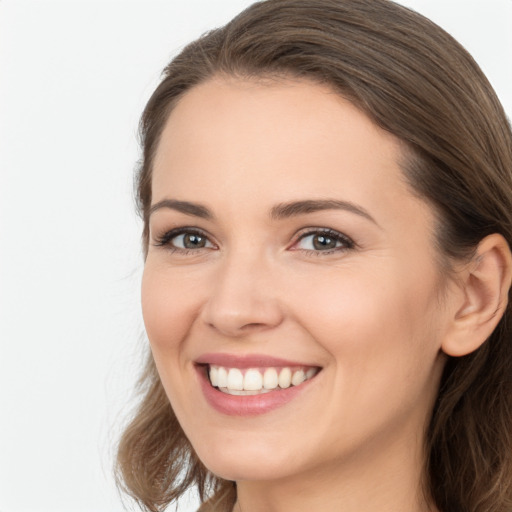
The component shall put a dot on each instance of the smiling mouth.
(257, 381)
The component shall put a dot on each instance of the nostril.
(252, 326)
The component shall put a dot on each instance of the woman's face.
(285, 244)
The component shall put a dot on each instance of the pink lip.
(247, 361)
(246, 405)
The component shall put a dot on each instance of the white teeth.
(222, 378)
(298, 377)
(214, 373)
(270, 380)
(235, 379)
(285, 378)
(311, 373)
(253, 381)
(245, 392)
(234, 391)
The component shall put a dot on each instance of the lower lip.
(247, 405)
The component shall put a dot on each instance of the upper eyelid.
(330, 231)
(168, 235)
(327, 231)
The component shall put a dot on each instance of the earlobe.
(485, 282)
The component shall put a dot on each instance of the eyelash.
(329, 233)
(166, 238)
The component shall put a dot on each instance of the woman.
(326, 191)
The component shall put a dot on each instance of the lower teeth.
(245, 392)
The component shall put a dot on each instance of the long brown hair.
(415, 81)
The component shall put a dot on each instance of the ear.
(485, 284)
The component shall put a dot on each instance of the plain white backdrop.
(74, 77)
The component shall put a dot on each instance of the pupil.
(323, 242)
(192, 241)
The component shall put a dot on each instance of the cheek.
(377, 326)
(352, 303)
(168, 307)
(169, 304)
(385, 367)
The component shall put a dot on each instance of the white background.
(74, 77)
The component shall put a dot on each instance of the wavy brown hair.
(415, 81)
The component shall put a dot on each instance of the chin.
(256, 470)
(252, 462)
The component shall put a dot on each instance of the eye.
(185, 239)
(323, 240)
(190, 241)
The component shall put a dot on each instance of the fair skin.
(366, 304)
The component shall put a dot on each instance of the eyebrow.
(286, 210)
(195, 209)
(278, 212)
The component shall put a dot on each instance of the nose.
(243, 298)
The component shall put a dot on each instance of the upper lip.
(247, 361)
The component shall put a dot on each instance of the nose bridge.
(243, 297)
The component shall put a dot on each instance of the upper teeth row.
(255, 380)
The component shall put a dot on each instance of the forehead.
(242, 140)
